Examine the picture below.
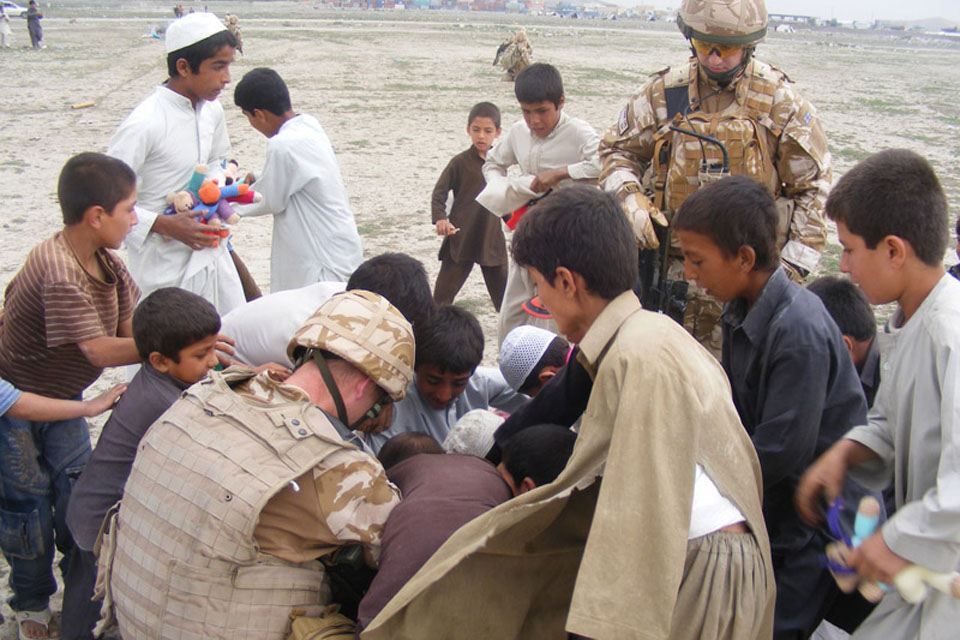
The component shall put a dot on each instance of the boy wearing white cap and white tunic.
(178, 126)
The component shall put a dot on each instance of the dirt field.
(392, 91)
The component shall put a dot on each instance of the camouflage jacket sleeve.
(803, 164)
(626, 149)
(355, 499)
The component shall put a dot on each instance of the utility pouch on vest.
(350, 577)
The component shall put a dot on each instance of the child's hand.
(874, 560)
(104, 401)
(444, 228)
(822, 480)
(546, 179)
(225, 345)
(277, 371)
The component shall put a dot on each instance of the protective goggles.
(723, 50)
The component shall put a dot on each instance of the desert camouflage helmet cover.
(723, 21)
(367, 331)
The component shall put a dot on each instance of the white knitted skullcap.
(521, 351)
(191, 29)
(472, 435)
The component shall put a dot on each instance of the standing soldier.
(514, 55)
(722, 113)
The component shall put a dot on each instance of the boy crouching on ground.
(891, 218)
(176, 334)
(67, 315)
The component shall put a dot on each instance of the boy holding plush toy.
(181, 124)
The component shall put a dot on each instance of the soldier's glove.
(641, 215)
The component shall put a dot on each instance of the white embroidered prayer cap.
(472, 435)
(521, 351)
(191, 29)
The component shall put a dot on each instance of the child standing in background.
(481, 240)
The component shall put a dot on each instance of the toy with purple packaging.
(911, 583)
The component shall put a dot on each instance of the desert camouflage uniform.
(232, 23)
(772, 135)
(514, 55)
(205, 545)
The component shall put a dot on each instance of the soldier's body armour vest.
(745, 128)
(186, 564)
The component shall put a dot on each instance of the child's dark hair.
(539, 82)
(200, 51)
(170, 320)
(484, 110)
(93, 180)
(452, 340)
(400, 279)
(847, 305)
(264, 89)
(554, 356)
(734, 212)
(406, 445)
(893, 193)
(583, 229)
(539, 452)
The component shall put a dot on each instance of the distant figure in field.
(515, 54)
(34, 16)
(233, 26)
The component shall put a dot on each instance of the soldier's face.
(723, 276)
(719, 64)
(541, 117)
(873, 270)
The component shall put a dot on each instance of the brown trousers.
(453, 274)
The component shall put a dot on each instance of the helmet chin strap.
(727, 77)
(317, 356)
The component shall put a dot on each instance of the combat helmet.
(364, 329)
(724, 22)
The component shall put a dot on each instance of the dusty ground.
(393, 91)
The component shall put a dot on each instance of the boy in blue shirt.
(794, 384)
(891, 217)
(448, 380)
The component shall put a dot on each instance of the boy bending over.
(672, 541)
(175, 332)
(66, 316)
(551, 149)
(891, 218)
(793, 381)
(448, 381)
(315, 237)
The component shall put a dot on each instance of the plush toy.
(912, 582)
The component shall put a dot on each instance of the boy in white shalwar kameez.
(891, 218)
(552, 149)
(178, 126)
(315, 236)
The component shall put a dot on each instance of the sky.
(848, 9)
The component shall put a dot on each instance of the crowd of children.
(715, 475)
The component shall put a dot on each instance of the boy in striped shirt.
(67, 315)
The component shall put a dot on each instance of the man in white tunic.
(315, 236)
(178, 126)
(552, 149)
